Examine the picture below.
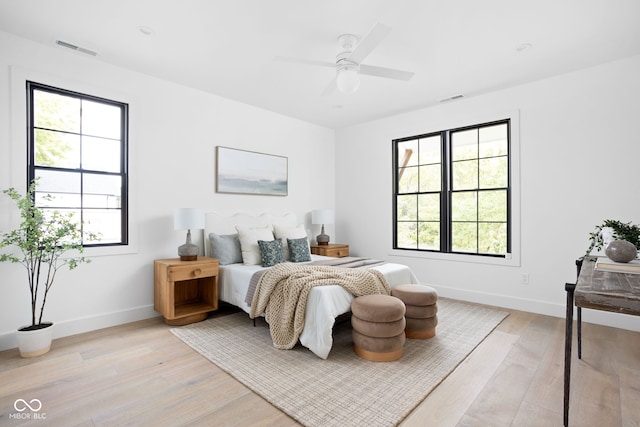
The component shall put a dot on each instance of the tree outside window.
(77, 151)
(452, 191)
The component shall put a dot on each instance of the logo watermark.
(27, 410)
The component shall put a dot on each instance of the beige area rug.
(342, 390)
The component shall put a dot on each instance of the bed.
(224, 238)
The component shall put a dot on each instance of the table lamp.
(186, 219)
(322, 216)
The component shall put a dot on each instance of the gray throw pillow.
(271, 251)
(299, 249)
(226, 248)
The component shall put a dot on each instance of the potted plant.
(41, 240)
(613, 229)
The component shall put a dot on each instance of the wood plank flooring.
(140, 374)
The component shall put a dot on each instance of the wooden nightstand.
(185, 291)
(332, 249)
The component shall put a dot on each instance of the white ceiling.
(227, 47)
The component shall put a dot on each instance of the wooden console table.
(598, 290)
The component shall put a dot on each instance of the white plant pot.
(35, 343)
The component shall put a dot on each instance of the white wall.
(173, 134)
(579, 164)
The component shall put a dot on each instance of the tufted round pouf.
(378, 327)
(421, 310)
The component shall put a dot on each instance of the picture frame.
(250, 172)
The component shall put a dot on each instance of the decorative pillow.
(271, 252)
(226, 248)
(299, 249)
(287, 232)
(249, 237)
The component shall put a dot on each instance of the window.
(77, 149)
(452, 191)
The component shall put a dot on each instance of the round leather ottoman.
(378, 327)
(421, 310)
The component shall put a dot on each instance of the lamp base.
(188, 251)
(322, 239)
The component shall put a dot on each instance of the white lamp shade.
(322, 216)
(347, 80)
(188, 219)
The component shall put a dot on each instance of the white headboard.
(226, 224)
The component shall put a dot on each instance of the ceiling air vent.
(74, 47)
(452, 98)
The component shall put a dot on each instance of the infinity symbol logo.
(21, 405)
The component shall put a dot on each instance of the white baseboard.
(65, 328)
(77, 326)
(599, 317)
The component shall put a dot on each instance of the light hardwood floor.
(140, 374)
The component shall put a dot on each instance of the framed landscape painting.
(248, 172)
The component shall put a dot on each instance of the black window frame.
(32, 86)
(446, 190)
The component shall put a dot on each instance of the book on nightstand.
(605, 264)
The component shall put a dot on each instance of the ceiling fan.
(348, 62)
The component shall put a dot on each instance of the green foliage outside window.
(476, 216)
(55, 116)
(77, 149)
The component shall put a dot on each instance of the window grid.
(423, 224)
(482, 224)
(81, 200)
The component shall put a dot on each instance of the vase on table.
(621, 251)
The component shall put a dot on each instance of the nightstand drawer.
(188, 272)
(337, 252)
(333, 250)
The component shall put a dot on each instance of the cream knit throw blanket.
(282, 294)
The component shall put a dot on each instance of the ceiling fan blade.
(305, 61)
(369, 42)
(331, 87)
(389, 73)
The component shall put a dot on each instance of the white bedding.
(325, 303)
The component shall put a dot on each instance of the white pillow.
(249, 237)
(287, 232)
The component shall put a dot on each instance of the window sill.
(110, 250)
(511, 260)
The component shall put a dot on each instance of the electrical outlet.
(524, 279)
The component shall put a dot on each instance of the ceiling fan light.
(348, 80)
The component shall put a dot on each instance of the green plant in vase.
(619, 231)
(39, 243)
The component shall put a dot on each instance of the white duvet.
(325, 303)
